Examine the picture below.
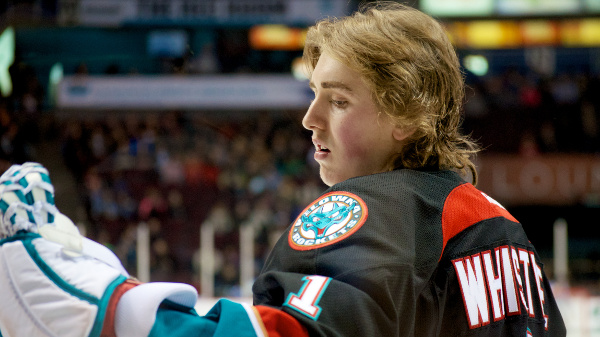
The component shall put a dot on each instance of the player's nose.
(314, 117)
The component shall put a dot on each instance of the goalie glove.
(54, 282)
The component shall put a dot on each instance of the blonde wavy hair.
(408, 61)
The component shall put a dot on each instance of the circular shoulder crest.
(329, 219)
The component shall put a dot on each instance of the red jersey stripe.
(278, 323)
(466, 206)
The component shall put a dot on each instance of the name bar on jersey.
(505, 281)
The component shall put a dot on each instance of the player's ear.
(401, 133)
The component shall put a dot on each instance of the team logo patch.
(329, 219)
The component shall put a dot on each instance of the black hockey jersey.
(408, 253)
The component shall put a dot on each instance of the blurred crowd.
(523, 113)
(20, 118)
(177, 171)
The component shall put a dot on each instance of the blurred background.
(172, 132)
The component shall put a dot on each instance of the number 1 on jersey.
(307, 299)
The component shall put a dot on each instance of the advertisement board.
(460, 8)
(552, 179)
(183, 92)
(509, 8)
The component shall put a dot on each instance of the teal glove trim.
(103, 305)
(54, 277)
(30, 200)
(20, 236)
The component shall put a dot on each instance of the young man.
(399, 245)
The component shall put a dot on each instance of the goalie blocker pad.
(48, 291)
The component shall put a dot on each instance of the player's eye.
(339, 104)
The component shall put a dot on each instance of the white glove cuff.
(137, 308)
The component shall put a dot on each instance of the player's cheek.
(354, 141)
(355, 150)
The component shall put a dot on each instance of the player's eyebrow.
(331, 85)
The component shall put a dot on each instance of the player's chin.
(330, 177)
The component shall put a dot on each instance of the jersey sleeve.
(368, 305)
(313, 305)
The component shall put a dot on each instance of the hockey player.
(399, 245)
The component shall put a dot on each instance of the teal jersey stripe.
(225, 319)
